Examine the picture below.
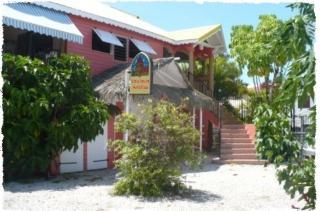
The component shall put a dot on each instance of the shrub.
(161, 139)
(274, 139)
(47, 109)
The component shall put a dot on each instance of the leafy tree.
(226, 75)
(274, 137)
(298, 176)
(262, 51)
(47, 109)
(161, 139)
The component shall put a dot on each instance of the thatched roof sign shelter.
(168, 82)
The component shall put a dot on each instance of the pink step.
(227, 126)
(238, 156)
(241, 161)
(236, 140)
(238, 145)
(226, 130)
(237, 151)
(232, 135)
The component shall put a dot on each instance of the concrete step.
(235, 140)
(233, 131)
(238, 156)
(234, 135)
(241, 161)
(233, 126)
(237, 146)
(237, 151)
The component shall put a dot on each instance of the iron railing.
(299, 125)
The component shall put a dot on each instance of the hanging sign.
(141, 71)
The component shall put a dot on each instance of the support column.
(211, 74)
(201, 126)
(191, 65)
(194, 117)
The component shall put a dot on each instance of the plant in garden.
(162, 139)
(274, 138)
(47, 109)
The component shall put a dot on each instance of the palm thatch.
(169, 82)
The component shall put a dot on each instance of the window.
(98, 45)
(31, 44)
(120, 53)
(133, 50)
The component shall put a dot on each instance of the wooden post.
(194, 117)
(200, 125)
(211, 75)
(191, 65)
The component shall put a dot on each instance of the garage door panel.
(72, 161)
(97, 151)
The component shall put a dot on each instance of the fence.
(299, 125)
(240, 107)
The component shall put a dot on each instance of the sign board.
(141, 74)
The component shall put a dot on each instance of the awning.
(41, 20)
(143, 46)
(107, 37)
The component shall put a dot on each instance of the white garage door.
(72, 161)
(97, 151)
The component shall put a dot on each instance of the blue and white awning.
(107, 37)
(143, 46)
(41, 20)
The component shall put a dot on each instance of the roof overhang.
(213, 40)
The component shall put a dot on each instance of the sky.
(179, 15)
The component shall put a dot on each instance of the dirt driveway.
(215, 187)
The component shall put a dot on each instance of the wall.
(100, 61)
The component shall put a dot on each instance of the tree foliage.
(47, 109)
(161, 139)
(275, 140)
(227, 77)
(262, 51)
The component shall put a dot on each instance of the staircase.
(236, 145)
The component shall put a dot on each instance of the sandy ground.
(215, 187)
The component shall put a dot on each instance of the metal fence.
(299, 125)
(240, 107)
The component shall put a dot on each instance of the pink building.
(107, 37)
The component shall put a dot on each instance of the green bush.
(274, 139)
(47, 109)
(298, 177)
(161, 140)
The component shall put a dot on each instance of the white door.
(72, 161)
(97, 151)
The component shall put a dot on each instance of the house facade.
(108, 37)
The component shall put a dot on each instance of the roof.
(41, 20)
(169, 82)
(196, 34)
(104, 13)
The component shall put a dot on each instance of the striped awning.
(143, 46)
(41, 20)
(107, 37)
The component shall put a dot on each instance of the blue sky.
(180, 15)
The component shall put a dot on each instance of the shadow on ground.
(63, 182)
(104, 177)
(194, 195)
